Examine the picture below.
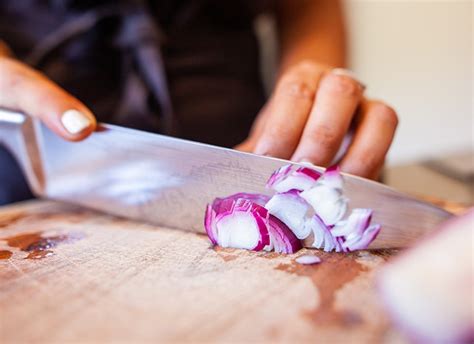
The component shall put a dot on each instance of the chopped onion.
(305, 202)
(327, 198)
(238, 221)
(363, 241)
(243, 226)
(278, 175)
(282, 238)
(286, 178)
(308, 259)
(322, 235)
(356, 231)
(355, 224)
(291, 209)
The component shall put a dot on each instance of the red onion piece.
(355, 225)
(327, 198)
(209, 224)
(243, 226)
(362, 242)
(278, 175)
(323, 238)
(328, 203)
(238, 221)
(308, 259)
(356, 232)
(286, 178)
(306, 202)
(333, 178)
(282, 238)
(291, 209)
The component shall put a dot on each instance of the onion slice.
(356, 232)
(282, 238)
(238, 221)
(327, 198)
(291, 209)
(287, 178)
(305, 202)
(323, 238)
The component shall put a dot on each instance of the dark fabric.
(13, 187)
(188, 68)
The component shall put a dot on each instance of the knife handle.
(18, 134)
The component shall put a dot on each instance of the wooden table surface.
(73, 275)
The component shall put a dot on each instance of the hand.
(26, 90)
(310, 112)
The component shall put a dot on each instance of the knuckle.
(11, 76)
(342, 85)
(306, 66)
(325, 137)
(296, 88)
(367, 160)
(386, 113)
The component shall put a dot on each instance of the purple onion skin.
(208, 219)
(268, 225)
(263, 228)
(281, 173)
(240, 202)
(309, 172)
(292, 243)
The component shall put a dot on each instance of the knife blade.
(168, 181)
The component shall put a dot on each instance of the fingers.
(288, 111)
(26, 90)
(372, 139)
(336, 102)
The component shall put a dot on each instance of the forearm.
(311, 30)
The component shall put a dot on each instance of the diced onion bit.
(305, 203)
(308, 259)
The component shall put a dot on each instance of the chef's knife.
(168, 181)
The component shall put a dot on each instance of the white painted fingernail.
(75, 121)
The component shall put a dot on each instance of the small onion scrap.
(305, 203)
(308, 259)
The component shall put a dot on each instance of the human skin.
(312, 108)
(306, 118)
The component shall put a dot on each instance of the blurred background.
(416, 55)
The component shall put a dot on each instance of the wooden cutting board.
(73, 275)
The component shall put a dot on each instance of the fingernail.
(75, 121)
(350, 74)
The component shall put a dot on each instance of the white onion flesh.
(291, 209)
(238, 231)
(310, 204)
(308, 259)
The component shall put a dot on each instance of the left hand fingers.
(372, 138)
(336, 102)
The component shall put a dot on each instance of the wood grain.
(120, 281)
